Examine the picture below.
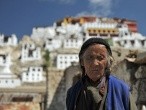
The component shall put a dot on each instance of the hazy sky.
(20, 16)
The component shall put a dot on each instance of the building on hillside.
(64, 41)
(131, 24)
(77, 20)
(123, 30)
(7, 78)
(133, 41)
(43, 32)
(64, 59)
(73, 41)
(52, 44)
(5, 60)
(100, 25)
(8, 40)
(71, 32)
(69, 29)
(33, 75)
(102, 32)
(30, 52)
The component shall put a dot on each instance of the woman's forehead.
(96, 48)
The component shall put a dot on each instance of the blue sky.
(20, 16)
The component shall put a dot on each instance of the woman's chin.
(95, 78)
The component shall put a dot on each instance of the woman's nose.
(96, 62)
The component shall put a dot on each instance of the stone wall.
(56, 90)
(20, 106)
(59, 82)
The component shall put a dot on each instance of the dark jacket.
(117, 94)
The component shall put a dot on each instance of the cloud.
(94, 7)
(99, 7)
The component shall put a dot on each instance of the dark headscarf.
(95, 40)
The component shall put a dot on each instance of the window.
(142, 42)
(126, 33)
(33, 69)
(94, 31)
(132, 42)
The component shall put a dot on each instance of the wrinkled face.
(94, 60)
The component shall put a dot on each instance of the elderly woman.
(98, 89)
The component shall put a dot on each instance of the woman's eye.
(89, 57)
(99, 58)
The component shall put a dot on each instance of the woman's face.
(94, 60)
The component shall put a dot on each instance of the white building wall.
(72, 43)
(7, 78)
(34, 74)
(5, 60)
(1, 39)
(124, 31)
(12, 40)
(53, 44)
(133, 41)
(35, 52)
(9, 83)
(43, 32)
(73, 28)
(128, 44)
(145, 44)
(61, 30)
(65, 60)
(9, 41)
(99, 25)
(138, 43)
